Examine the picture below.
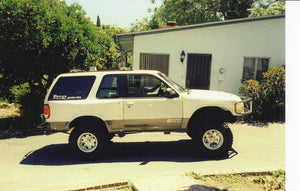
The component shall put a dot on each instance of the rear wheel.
(213, 137)
(88, 141)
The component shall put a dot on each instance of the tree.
(234, 9)
(268, 8)
(40, 39)
(145, 24)
(186, 12)
(98, 22)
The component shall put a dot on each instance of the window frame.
(123, 86)
(50, 98)
(148, 65)
(145, 97)
(255, 66)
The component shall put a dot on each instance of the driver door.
(146, 107)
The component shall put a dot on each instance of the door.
(198, 71)
(146, 107)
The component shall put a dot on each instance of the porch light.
(182, 57)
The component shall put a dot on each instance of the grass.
(246, 181)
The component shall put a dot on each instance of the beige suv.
(98, 105)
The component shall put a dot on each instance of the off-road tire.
(213, 137)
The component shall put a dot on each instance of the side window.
(109, 87)
(72, 88)
(145, 86)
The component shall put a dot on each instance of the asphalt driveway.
(151, 161)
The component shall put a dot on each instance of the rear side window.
(112, 86)
(72, 88)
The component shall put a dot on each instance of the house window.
(254, 68)
(158, 62)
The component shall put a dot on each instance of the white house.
(217, 56)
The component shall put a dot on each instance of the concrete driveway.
(151, 161)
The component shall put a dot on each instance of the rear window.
(72, 88)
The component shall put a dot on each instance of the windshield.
(172, 83)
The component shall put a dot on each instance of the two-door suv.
(97, 105)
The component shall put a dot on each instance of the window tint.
(72, 88)
(112, 87)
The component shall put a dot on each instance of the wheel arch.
(216, 113)
(88, 119)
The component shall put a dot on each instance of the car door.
(146, 107)
(110, 100)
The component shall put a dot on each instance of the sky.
(120, 13)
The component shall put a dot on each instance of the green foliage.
(98, 24)
(186, 12)
(45, 38)
(268, 95)
(269, 8)
(230, 180)
(145, 24)
(40, 39)
(271, 181)
(19, 91)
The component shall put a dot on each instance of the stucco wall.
(228, 45)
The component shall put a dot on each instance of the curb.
(112, 186)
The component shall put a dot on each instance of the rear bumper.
(59, 126)
(55, 126)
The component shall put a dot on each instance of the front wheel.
(213, 137)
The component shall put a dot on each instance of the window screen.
(158, 62)
(72, 88)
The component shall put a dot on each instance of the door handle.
(129, 104)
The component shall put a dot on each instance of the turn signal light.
(47, 111)
(239, 108)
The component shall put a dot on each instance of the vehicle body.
(98, 105)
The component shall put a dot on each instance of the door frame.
(190, 68)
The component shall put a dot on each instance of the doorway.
(198, 71)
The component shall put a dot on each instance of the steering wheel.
(161, 90)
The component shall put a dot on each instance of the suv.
(96, 106)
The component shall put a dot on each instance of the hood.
(210, 94)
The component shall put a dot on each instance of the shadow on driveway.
(144, 152)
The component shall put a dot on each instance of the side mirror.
(170, 93)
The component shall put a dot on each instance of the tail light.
(47, 111)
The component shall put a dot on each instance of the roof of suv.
(103, 72)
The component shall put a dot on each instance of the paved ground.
(151, 161)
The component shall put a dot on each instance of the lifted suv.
(98, 105)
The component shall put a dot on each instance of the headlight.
(239, 107)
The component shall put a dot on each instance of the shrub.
(19, 91)
(268, 96)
